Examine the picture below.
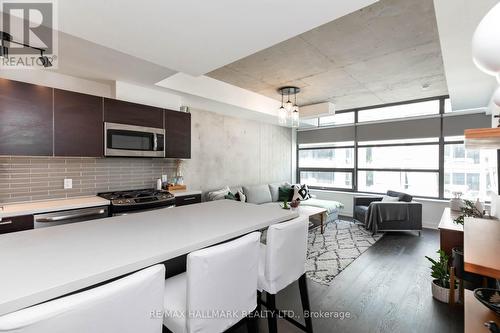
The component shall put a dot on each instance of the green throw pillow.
(285, 193)
(230, 196)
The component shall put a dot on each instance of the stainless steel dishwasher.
(70, 216)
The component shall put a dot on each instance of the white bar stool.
(282, 261)
(218, 289)
(126, 305)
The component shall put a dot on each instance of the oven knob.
(120, 201)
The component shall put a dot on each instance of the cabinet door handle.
(6, 222)
(190, 198)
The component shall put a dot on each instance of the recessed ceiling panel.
(387, 52)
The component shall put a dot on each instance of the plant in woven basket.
(468, 210)
(439, 269)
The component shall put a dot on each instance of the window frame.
(354, 171)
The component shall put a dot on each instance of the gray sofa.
(403, 214)
(267, 194)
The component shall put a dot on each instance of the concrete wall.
(232, 151)
(431, 209)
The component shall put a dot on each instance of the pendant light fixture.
(288, 113)
(282, 113)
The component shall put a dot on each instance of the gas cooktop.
(136, 197)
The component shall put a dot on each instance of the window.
(326, 158)
(417, 183)
(327, 179)
(472, 172)
(380, 162)
(399, 157)
(400, 111)
(337, 119)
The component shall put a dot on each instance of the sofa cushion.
(218, 194)
(274, 189)
(285, 193)
(332, 207)
(360, 213)
(388, 198)
(257, 194)
(402, 196)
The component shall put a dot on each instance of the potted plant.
(441, 274)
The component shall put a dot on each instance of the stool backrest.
(286, 250)
(222, 284)
(122, 306)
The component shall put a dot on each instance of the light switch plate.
(68, 183)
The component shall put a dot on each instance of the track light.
(4, 52)
(45, 60)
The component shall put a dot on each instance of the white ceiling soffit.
(208, 88)
(457, 20)
(196, 37)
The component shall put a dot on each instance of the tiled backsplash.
(39, 178)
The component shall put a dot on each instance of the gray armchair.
(401, 215)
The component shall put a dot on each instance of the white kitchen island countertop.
(42, 264)
(36, 207)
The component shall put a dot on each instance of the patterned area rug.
(330, 253)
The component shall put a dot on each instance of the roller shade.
(455, 125)
(333, 134)
(406, 129)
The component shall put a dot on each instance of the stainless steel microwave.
(133, 141)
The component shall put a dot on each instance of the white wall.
(431, 209)
(61, 81)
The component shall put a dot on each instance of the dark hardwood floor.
(387, 289)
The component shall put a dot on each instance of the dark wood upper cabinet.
(26, 119)
(122, 112)
(78, 125)
(177, 134)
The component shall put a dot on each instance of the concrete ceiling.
(194, 36)
(380, 54)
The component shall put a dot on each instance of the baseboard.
(430, 225)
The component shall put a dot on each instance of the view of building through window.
(408, 165)
(470, 172)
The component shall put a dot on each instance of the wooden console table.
(481, 250)
(451, 234)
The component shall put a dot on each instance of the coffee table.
(311, 211)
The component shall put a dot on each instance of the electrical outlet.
(68, 183)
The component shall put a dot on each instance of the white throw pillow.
(387, 198)
(218, 194)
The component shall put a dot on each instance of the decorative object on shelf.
(469, 210)
(179, 179)
(440, 271)
(172, 187)
(456, 203)
(288, 113)
(489, 297)
(164, 182)
(158, 184)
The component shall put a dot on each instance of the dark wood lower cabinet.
(16, 223)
